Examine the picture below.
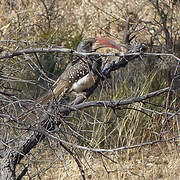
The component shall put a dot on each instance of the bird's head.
(86, 45)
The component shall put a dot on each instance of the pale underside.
(84, 83)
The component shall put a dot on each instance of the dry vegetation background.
(38, 23)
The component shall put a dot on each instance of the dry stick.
(45, 133)
(66, 50)
(58, 50)
(76, 159)
(113, 104)
(107, 150)
(167, 103)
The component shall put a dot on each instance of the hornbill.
(82, 73)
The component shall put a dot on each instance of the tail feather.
(45, 98)
(59, 90)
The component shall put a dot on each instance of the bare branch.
(114, 104)
(115, 149)
(58, 50)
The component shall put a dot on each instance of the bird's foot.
(81, 94)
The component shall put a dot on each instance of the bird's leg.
(78, 94)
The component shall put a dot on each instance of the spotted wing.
(71, 75)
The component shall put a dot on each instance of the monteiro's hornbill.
(82, 73)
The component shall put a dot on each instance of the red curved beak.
(105, 42)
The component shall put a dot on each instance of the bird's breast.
(84, 83)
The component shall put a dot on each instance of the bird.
(82, 73)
